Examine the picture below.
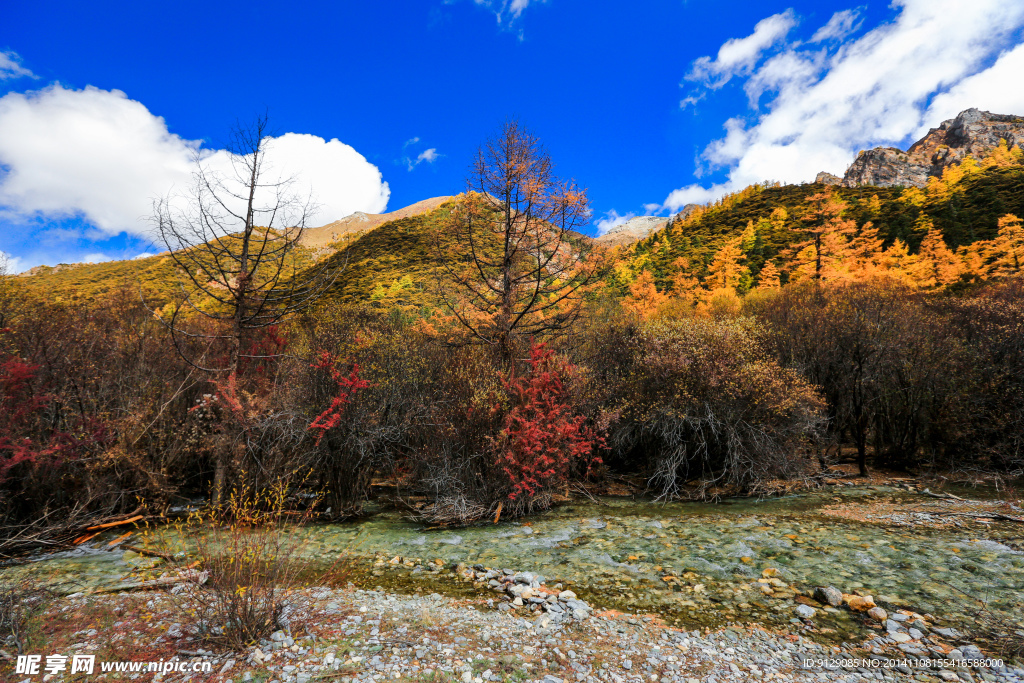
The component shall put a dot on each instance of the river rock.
(878, 614)
(900, 637)
(566, 595)
(948, 633)
(828, 595)
(859, 603)
(805, 611)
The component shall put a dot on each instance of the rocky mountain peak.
(972, 133)
(636, 228)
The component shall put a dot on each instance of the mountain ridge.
(972, 132)
(325, 235)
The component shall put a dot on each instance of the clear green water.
(615, 554)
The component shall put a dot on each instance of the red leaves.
(26, 435)
(346, 385)
(541, 439)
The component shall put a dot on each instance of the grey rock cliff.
(971, 133)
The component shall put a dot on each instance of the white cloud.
(97, 257)
(933, 59)
(428, 155)
(988, 90)
(10, 66)
(100, 155)
(739, 55)
(505, 11)
(10, 264)
(611, 219)
(839, 26)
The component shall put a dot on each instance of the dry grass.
(246, 561)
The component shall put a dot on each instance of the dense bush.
(913, 378)
(701, 400)
(92, 401)
(990, 327)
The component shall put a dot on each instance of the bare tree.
(233, 237)
(513, 265)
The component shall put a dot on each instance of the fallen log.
(82, 539)
(109, 525)
(120, 539)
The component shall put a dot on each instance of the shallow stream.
(691, 564)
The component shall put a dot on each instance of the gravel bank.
(351, 635)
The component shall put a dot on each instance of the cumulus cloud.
(738, 56)
(98, 155)
(10, 66)
(930, 61)
(611, 219)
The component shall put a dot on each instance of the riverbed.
(691, 564)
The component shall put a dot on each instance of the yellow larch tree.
(683, 282)
(972, 260)
(828, 233)
(875, 205)
(644, 299)
(865, 252)
(935, 265)
(749, 237)
(768, 278)
(726, 270)
(896, 262)
(1001, 156)
(1005, 254)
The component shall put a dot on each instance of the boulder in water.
(828, 595)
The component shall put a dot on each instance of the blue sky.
(380, 104)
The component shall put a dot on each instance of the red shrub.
(346, 386)
(26, 414)
(541, 439)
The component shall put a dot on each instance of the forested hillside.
(772, 222)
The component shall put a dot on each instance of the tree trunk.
(862, 446)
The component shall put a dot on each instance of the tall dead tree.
(233, 236)
(512, 264)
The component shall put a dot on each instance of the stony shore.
(352, 635)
